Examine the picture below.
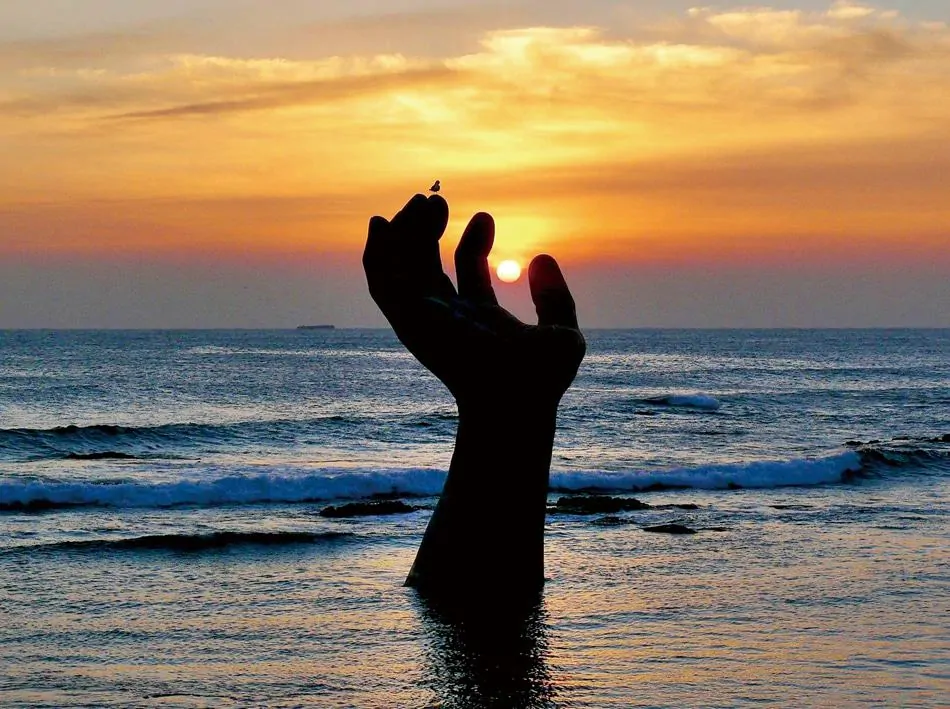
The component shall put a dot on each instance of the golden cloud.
(786, 103)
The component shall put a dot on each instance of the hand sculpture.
(507, 378)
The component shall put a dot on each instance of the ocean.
(162, 542)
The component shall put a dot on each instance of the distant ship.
(316, 327)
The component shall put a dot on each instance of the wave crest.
(231, 490)
(686, 401)
(173, 440)
(758, 474)
(17, 496)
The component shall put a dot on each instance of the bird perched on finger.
(437, 185)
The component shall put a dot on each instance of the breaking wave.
(686, 401)
(34, 495)
(230, 490)
(758, 474)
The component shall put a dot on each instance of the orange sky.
(700, 139)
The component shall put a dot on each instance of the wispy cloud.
(755, 116)
(322, 92)
(727, 61)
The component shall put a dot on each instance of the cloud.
(845, 10)
(270, 96)
(711, 60)
(725, 121)
(725, 62)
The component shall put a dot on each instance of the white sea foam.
(758, 474)
(234, 489)
(691, 401)
(330, 485)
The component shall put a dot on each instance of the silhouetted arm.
(507, 378)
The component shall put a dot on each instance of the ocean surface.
(162, 543)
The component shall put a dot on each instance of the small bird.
(436, 187)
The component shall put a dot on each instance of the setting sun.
(509, 271)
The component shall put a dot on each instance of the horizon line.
(337, 328)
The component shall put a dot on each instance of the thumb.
(549, 291)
